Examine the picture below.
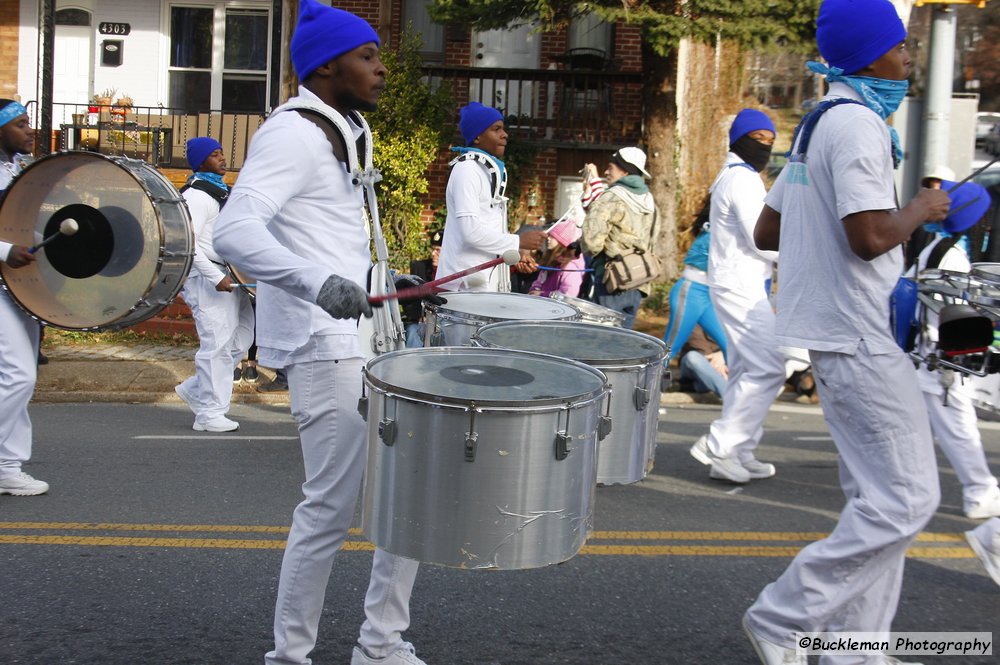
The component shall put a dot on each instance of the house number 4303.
(114, 28)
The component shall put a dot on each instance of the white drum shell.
(454, 323)
(157, 245)
(633, 363)
(513, 506)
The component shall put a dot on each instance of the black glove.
(343, 299)
(411, 281)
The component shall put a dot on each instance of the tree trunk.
(660, 105)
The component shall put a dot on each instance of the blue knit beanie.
(749, 120)
(323, 33)
(969, 202)
(852, 34)
(474, 119)
(198, 150)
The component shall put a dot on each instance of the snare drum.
(126, 262)
(633, 363)
(980, 286)
(480, 458)
(591, 311)
(454, 323)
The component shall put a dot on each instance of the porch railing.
(559, 107)
(157, 134)
(564, 107)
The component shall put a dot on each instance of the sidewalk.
(146, 373)
(134, 373)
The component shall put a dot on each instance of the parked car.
(991, 144)
(985, 121)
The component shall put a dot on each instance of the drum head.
(248, 285)
(491, 306)
(486, 377)
(590, 343)
(110, 265)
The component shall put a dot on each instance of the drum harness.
(388, 332)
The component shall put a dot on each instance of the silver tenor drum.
(126, 262)
(480, 458)
(591, 311)
(453, 323)
(633, 363)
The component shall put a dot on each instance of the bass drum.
(126, 262)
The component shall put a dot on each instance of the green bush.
(409, 128)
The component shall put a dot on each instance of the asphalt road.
(159, 545)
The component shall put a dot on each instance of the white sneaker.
(758, 469)
(404, 654)
(984, 541)
(984, 508)
(770, 653)
(186, 397)
(22, 484)
(723, 468)
(216, 424)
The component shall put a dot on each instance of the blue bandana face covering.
(880, 95)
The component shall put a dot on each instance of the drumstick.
(973, 174)
(510, 257)
(66, 228)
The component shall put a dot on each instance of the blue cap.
(749, 120)
(969, 202)
(324, 33)
(198, 150)
(474, 119)
(852, 34)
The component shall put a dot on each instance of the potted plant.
(104, 98)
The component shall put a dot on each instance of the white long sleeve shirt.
(294, 219)
(7, 172)
(475, 230)
(734, 262)
(204, 212)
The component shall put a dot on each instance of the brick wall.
(10, 13)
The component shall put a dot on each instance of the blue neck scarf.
(880, 95)
(214, 178)
(496, 160)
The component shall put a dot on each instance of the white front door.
(73, 76)
(514, 48)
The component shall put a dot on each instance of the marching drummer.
(949, 399)
(222, 312)
(476, 230)
(294, 220)
(20, 337)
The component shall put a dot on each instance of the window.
(227, 71)
(73, 17)
(431, 34)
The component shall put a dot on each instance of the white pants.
(334, 449)
(955, 428)
(756, 372)
(850, 581)
(18, 372)
(225, 324)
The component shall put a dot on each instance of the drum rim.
(578, 399)
(156, 202)
(596, 327)
(597, 308)
(444, 312)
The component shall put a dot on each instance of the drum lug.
(387, 431)
(562, 445)
(363, 407)
(603, 427)
(665, 380)
(641, 397)
(470, 446)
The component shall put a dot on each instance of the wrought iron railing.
(157, 134)
(555, 106)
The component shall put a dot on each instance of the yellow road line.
(707, 549)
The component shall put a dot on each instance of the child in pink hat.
(561, 268)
